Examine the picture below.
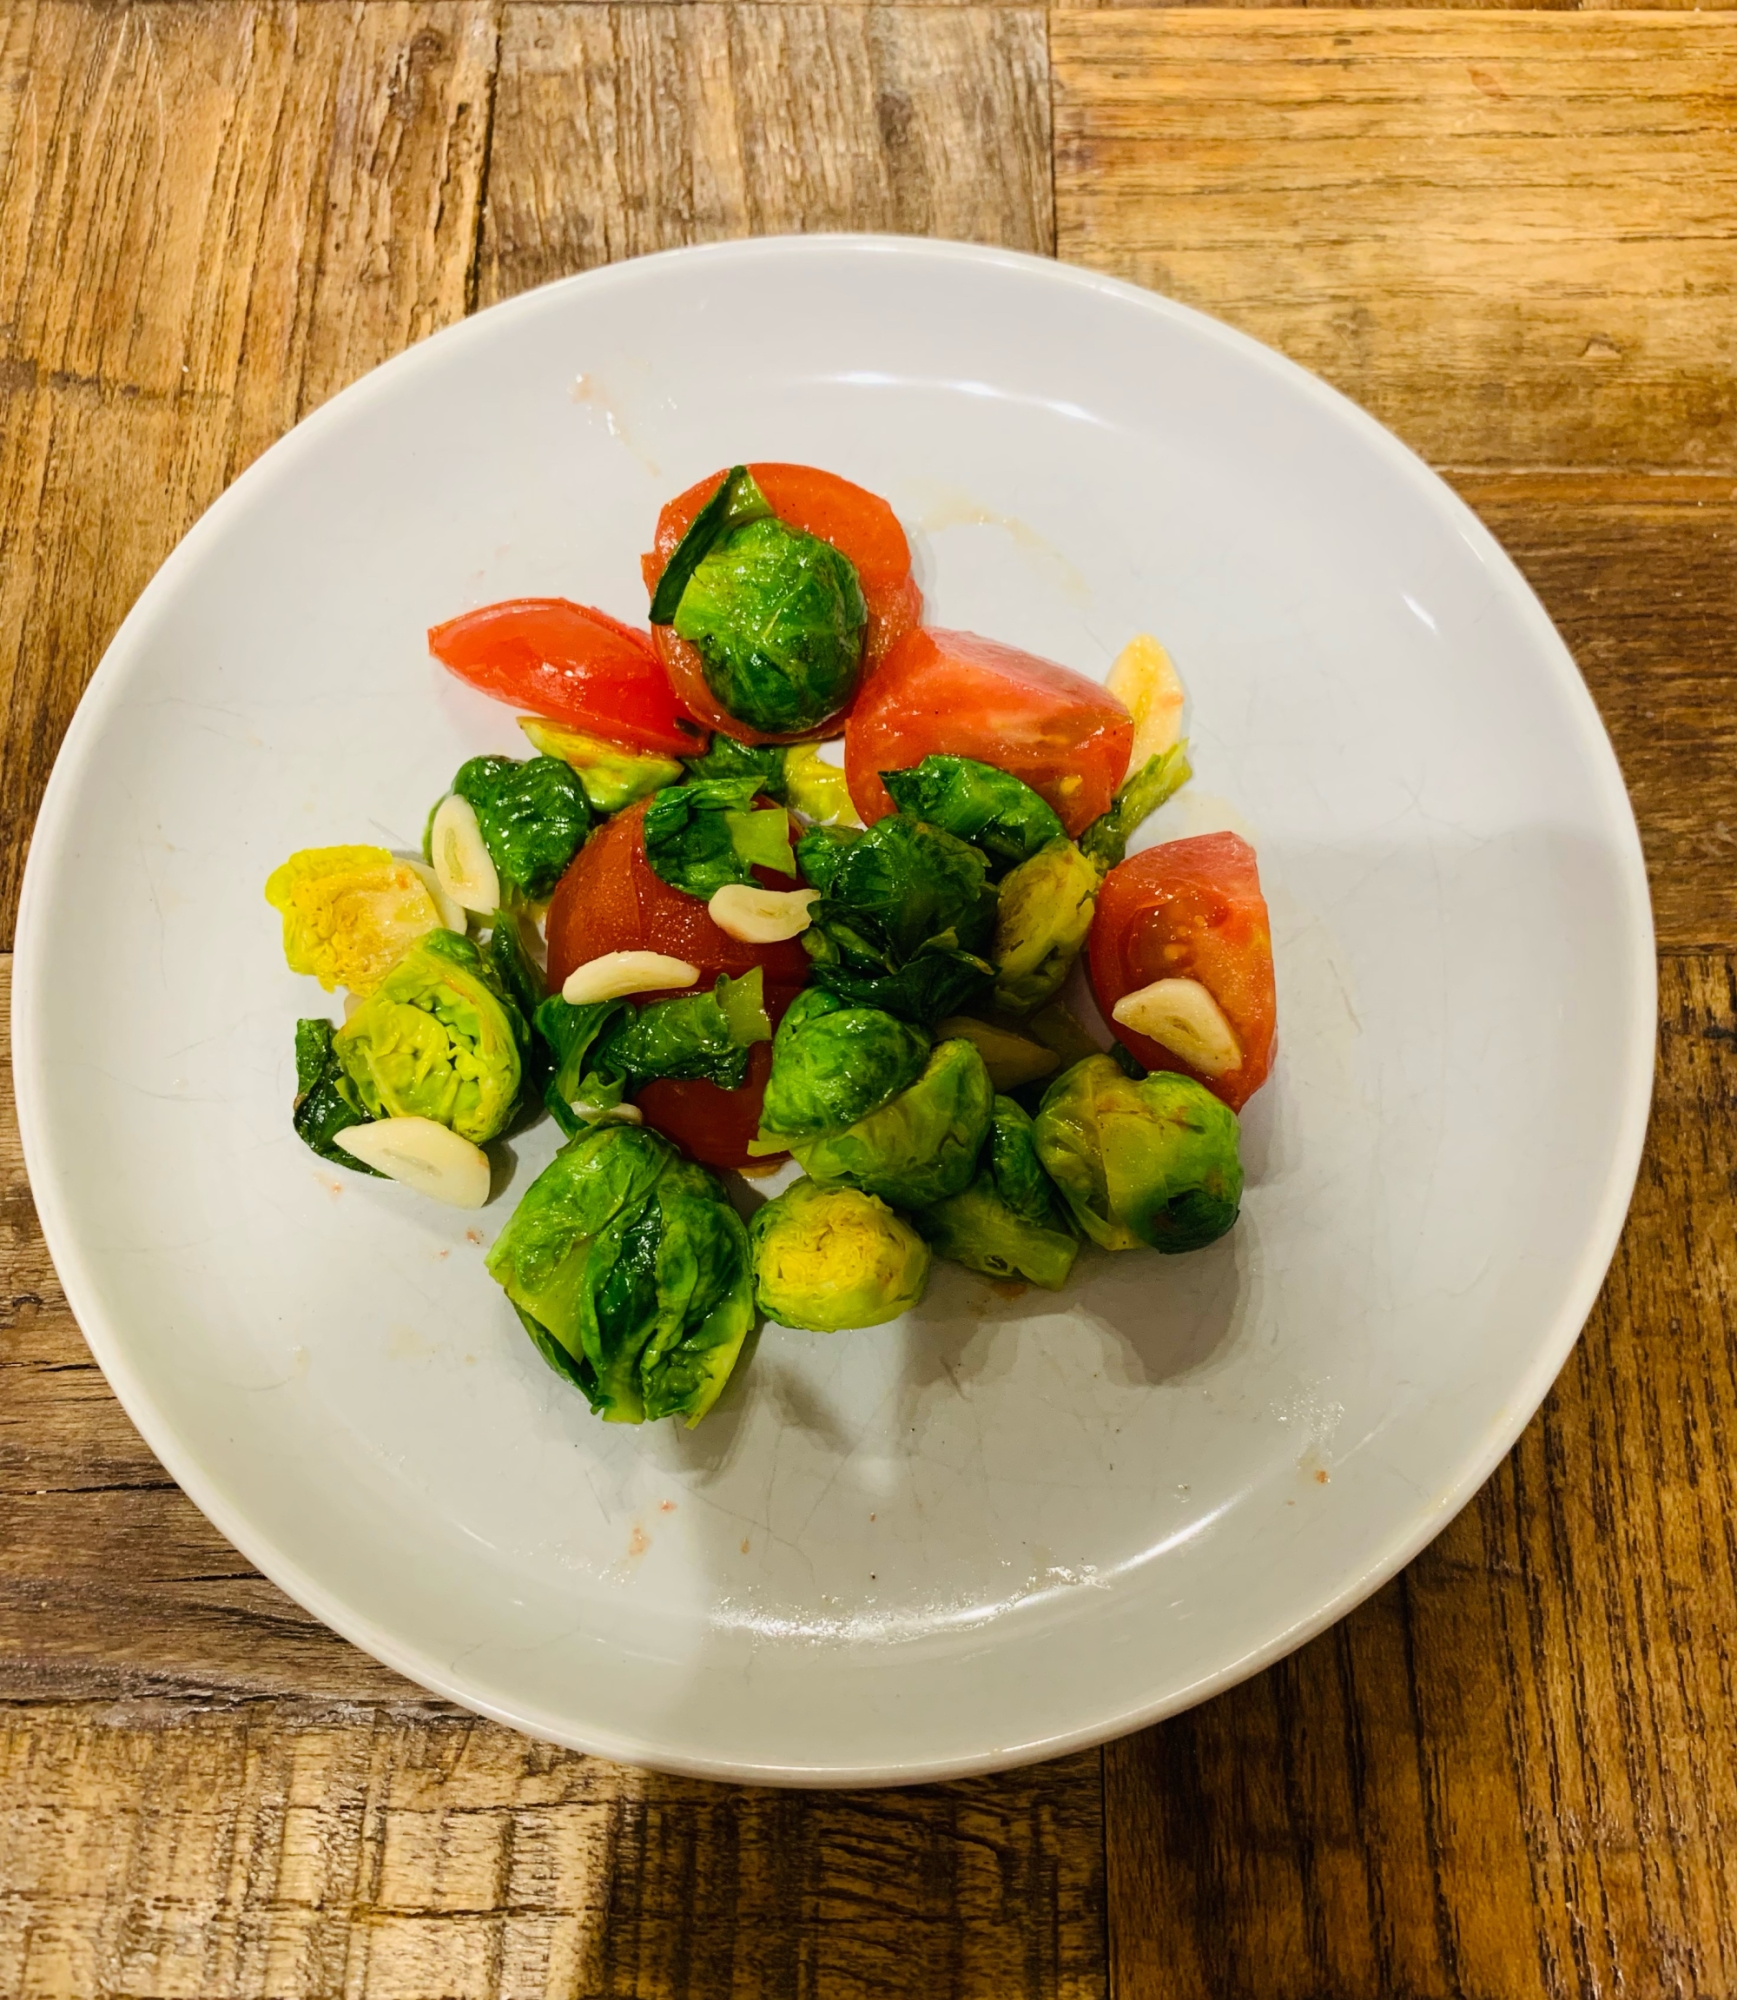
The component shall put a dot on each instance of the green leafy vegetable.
(1041, 922)
(1009, 1222)
(778, 618)
(1152, 1160)
(700, 836)
(612, 775)
(919, 1147)
(1105, 841)
(831, 1258)
(326, 1100)
(737, 501)
(438, 1039)
(832, 1063)
(906, 912)
(631, 1272)
(992, 809)
(726, 758)
(533, 817)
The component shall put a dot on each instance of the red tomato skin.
(956, 693)
(610, 899)
(572, 664)
(856, 522)
(1191, 909)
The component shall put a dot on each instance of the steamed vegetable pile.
(704, 945)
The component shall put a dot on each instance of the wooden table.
(1514, 237)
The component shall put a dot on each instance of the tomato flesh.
(1191, 909)
(572, 664)
(956, 694)
(856, 522)
(611, 899)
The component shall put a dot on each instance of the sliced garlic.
(760, 916)
(425, 1156)
(618, 973)
(461, 857)
(1181, 1016)
(451, 913)
(1148, 686)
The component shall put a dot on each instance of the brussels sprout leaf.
(326, 1101)
(992, 809)
(700, 837)
(609, 1047)
(819, 853)
(613, 775)
(1105, 841)
(737, 501)
(533, 817)
(727, 758)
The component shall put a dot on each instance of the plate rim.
(1415, 1528)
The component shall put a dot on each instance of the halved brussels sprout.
(992, 809)
(701, 836)
(1009, 1222)
(831, 1258)
(612, 775)
(630, 1271)
(1149, 1160)
(437, 1039)
(919, 1147)
(532, 814)
(1040, 924)
(349, 913)
(777, 617)
(905, 915)
(833, 1063)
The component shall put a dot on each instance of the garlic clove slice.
(425, 1156)
(1148, 686)
(753, 915)
(619, 973)
(1181, 1016)
(451, 914)
(461, 857)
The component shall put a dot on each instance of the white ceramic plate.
(1001, 1528)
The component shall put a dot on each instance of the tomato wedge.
(610, 899)
(957, 694)
(856, 522)
(1191, 909)
(571, 664)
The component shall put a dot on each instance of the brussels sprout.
(816, 789)
(532, 815)
(1149, 1161)
(700, 836)
(1008, 1223)
(610, 1046)
(612, 775)
(326, 1100)
(831, 1258)
(906, 912)
(992, 809)
(437, 1039)
(1010, 1058)
(1040, 924)
(1105, 841)
(737, 501)
(349, 913)
(833, 1063)
(630, 1271)
(920, 1146)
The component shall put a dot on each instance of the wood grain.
(1514, 1771)
(211, 217)
(1513, 237)
(290, 1852)
(621, 130)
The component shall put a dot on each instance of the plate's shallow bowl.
(1002, 1527)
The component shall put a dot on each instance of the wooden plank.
(1511, 236)
(292, 1852)
(1514, 1770)
(620, 130)
(211, 217)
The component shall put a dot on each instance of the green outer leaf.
(326, 1101)
(701, 836)
(762, 840)
(820, 854)
(533, 816)
(919, 1147)
(976, 802)
(570, 1033)
(704, 1036)
(832, 1064)
(736, 501)
(726, 758)
(1105, 841)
